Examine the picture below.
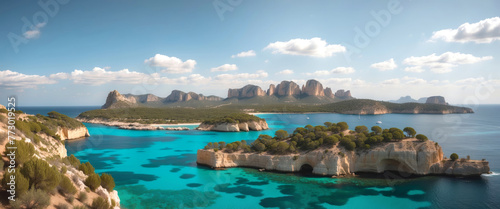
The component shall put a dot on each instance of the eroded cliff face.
(313, 88)
(288, 88)
(414, 157)
(235, 127)
(76, 133)
(247, 91)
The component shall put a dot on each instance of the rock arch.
(306, 169)
(394, 165)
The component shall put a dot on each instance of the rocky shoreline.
(408, 156)
(132, 126)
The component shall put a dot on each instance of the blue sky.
(74, 53)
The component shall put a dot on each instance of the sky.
(73, 53)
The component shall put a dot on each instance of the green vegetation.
(73, 161)
(36, 199)
(107, 182)
(233, 118)
(99, 203)
(40, 175)
(22, 184)
(313, 137)
(66, 187)
(422, 137)
(24, 152)
(82, 197)
(410, 132)
(454, 156)
(93, 181)
(86, 168)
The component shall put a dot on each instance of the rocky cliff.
(421, 158)
(329, 93)
(117, 100)
(76, 133)
(343, 94)
(313, 88)
(287, 88)
(235, 127)
(247, 91)
(271, 90)
(436, 100)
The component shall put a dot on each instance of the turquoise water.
(157, 169)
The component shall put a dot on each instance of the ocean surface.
(157, 169)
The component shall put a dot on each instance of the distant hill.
(285, 92)
(407, 99)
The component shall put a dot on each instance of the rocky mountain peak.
(288, 88)
(436, 100)
(313, 88)
(343, 94)
(271, 90)
(247, 91)
(114, 97)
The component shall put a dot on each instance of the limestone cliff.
(313, 88)
(328, 93)
(288, 88)
(436, 100)
(271, 90)
(115, 99)
(180, 96)
(421, 158)
(76, 133)
(343, 94)
(235, 127)
(247, 91)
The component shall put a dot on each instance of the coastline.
(138, 126)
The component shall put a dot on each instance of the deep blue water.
(157, 169)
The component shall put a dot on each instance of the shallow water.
(157, 169)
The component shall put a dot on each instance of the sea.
(157, 169)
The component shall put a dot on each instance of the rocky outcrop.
(235, 127)
(247, 91)
(436, 100)
(2, 107)
(115, 97)
(145, 98)
(271, 90)
(328, 93)
(343, 94)
(180, 96)
(421, 158)
(287, 88)
(313, 88)
(76, 133)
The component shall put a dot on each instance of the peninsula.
(334, 150)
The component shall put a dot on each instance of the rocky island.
(234, 123)
(333, 150)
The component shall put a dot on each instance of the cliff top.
(233, 118)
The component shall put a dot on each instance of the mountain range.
(286, 91)
(426, 100)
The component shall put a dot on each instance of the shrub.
(422, 137)
(343, 126)
(454, 156)
(86, 168)
(73, 161)
(22, 183)
(66, 187)
(107, 182)
(71, 199)
(82, 196)
(281, 134)
(34, 198)
(341, 154)
(99, 203)
(410, 132)
(216, 149)
(64, 169)
(376, 129)
(40, 175)
(93, 181)
(24, 151)
(360, 129)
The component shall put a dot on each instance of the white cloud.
(99, 76)
(224, 68)
(230, 77)
(443, 63)
(414, 81)
(470, 81)
(34, 32)
(484, 31)
(11, 79)
(391, 81)
(193, 79)
(249, 53)
(338, 70)
(59, 76)
(414, 69)
(315, 47)
(385, 65)
(343, 70)
(285, 72)
(171, 64)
